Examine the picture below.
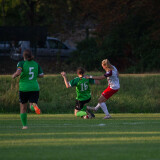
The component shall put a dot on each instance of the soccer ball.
(86, 117)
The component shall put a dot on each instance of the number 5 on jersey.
(31, 73)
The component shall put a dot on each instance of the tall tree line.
(126, 30)
(67, 14)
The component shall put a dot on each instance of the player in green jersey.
(83, 92)
(29, 71)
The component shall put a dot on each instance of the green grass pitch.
(64, 137)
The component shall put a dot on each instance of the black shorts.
(31, 96)
(80, 104)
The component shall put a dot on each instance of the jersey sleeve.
(20, 65)
(108, 73)
(73, 82)
(91, 81)
(40, 71)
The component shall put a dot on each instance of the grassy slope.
(138, 93)
(63, 137)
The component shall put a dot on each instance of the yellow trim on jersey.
(19, 68)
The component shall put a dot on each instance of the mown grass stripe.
(75, 133)
(72, 141)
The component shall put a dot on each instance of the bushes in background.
(138, 93)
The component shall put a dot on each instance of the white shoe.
(107, 117)
(24, 127)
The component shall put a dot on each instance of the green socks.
(24, 119)
(81, 114)
(32, 108)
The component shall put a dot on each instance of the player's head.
(106, 64)
(80, 71)
(27, 55)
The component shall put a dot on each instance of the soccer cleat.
(24, 127)
(36, 108)
(90, 117)
(107, 117)
(90, 114)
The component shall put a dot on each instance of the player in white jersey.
(112, 76)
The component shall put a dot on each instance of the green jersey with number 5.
(28, 78)
(82, 87)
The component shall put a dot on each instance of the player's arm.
(95, 77)
(17, 73)
(41, 75)
(93, 81)
(40, 72)
(65, 79)
(107, 74)
(19, 69)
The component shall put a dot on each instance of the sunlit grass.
(62, 136)
(80, 141)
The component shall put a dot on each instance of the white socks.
(97, 107)
(104, 108)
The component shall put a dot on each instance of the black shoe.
(91, 114)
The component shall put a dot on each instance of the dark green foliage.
(87, 54)
(129, 46)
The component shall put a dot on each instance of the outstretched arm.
(41, 75)
(107, 74)
(17, 73)
(96, 77)
(65, 79)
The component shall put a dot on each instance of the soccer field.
(64, 137)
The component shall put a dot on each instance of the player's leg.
(78, 111)
(77, 108)
(23, 115)
(33, 99)
(34, 107)
(75, 112)
(89, 111)
(81, 113)
(23, 99)
(86, 108)
(107, 93)
(102, 103)
(94, 108)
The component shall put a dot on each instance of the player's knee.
(101, 100)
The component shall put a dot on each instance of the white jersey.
(113, 80)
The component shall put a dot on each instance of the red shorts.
(108, 92)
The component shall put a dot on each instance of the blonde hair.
(107, 64)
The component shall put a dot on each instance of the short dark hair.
(27, 54)
(80, 70)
